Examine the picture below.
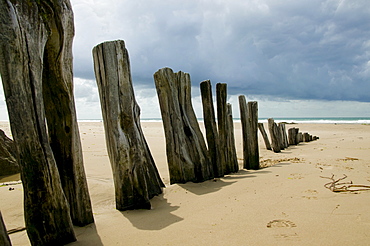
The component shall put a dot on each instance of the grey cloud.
(294, 49)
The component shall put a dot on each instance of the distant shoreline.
(288, 120)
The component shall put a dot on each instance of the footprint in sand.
(310, 194)
(280, 224)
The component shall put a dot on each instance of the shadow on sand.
(87, 235)
(216, 184)
(157, 218)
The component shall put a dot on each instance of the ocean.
(313, 120)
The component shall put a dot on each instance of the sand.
(285, 204)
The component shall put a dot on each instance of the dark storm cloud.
(294, 49)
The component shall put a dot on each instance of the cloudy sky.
(296, 58)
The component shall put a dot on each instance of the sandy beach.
(283, 204)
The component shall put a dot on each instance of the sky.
(307, 58)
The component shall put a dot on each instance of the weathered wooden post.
(264, 135)
(274, 135)
(60, 109)
(221, 100)
(249, 120)
(292, 136)
(211, 127)
(254, 158)
(4, 237)
(306, 137)
(280, 136)
(36, 69)
(187, 154)
(299, 138)
(136, 178)
(231, 140)
(226, 157)
(8, 152)
(284, 136)
(244, 122)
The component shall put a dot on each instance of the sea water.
(312, 120)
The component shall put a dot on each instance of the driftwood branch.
(336, 186)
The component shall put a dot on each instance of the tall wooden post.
(136, 178)
(187, 154)
(60, 110)
(275, 143)
(36, 65)
(226, 156)
(244, 122)
(4, 237)
(211, 127)
(231, 141)
(254, 158)
(264, 135)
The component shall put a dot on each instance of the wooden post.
(60, 110)
(8, 162)
(231, 141)
(136, 178)
(264, 135)
(187, 154)
(299, 138)
(306, 137)
(274, 135)
(211, 127)
(226, 157)
(4, 237)
(244, 122)
(292, 136)
(285, 143)
(280, 136)
(296, 135)
(36, 69)
(254, 158)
